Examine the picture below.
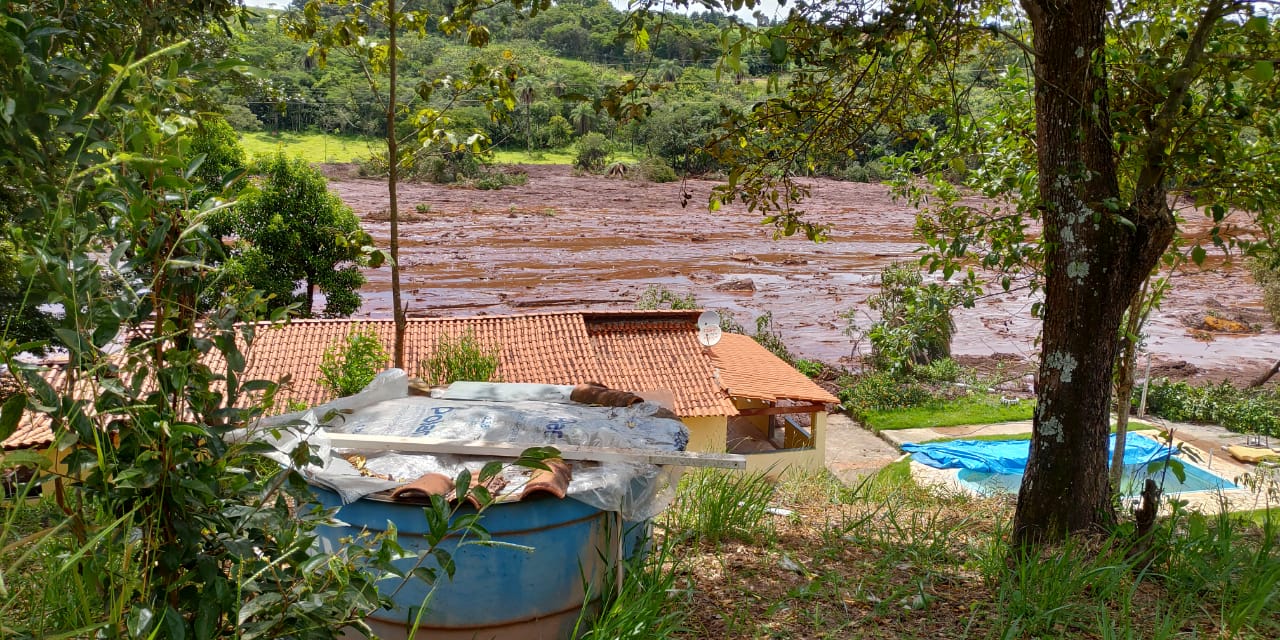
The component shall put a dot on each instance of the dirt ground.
(571, 242)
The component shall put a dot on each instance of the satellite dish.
(709, 328)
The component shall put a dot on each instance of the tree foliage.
(1100, 115)
(294, 231)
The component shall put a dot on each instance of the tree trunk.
(311, 298)
(1266, 375)
(1095, 263)
(393, 170)
(1125, 370)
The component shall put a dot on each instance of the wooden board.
(506, 450)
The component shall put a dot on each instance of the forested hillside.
(567, 59)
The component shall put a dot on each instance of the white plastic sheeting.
(524, 414)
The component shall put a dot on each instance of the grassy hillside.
(324, 147)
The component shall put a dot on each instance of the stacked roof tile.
(633, 350)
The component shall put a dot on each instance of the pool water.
(1197, 479)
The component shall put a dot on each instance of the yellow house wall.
(779, 462)
(761, 423)
(707, 434)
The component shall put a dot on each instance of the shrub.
(810, 368)
(1267, 275)
(880, 391)
(944, 370)
(660, 297)
(915, 324)
(460, 359)
(592, 152)
(655, 169)
(770, 338)
(1235, 409)
(350, 365)
(214, 139)
(494, 180)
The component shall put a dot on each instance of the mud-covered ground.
(570, 242)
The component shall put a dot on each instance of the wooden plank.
(508, 450)
(774, 411)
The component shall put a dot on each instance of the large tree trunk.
(393, 174)
(1094, 263)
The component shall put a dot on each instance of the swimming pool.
(1197, 479)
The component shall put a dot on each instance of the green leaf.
(24, 458)
(1262, 71)
(1198, 255)
(11, 413)
(778, 50)
(139, 621)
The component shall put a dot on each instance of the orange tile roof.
(646, 352)
(33, 428)
(631, 350)
(748, 370)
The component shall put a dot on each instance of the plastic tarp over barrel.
(498, 592)
(1010, 456)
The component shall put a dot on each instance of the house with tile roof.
(734, 396)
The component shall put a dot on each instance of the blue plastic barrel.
(497, 593)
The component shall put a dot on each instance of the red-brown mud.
(572, 242)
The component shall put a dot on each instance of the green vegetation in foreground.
(313, 147)
(979, 409)
(327, 147)
(1260, 516)
(819, 559)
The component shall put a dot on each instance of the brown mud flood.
(565, 242)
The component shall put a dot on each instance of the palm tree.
(527, 91)
(669, 71)
(584, 118)
(558, 84)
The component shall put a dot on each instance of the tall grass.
(649, 603)
(910, 561)
(714, 505)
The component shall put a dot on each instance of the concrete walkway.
(853, 452)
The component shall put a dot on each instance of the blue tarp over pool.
(1010, 456)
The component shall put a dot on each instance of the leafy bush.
(873, 171)
(494, 180)
(944, 370)
(214, 139)
(880, 391)
(915, 324)
(1239, 410)
(350, 365)
(770, 338)
(655, 169)
(592, 152)
(660, 297)
(810, 368)
(293, 231)
(460, 359)
(1267, 275)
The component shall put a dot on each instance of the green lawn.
(981, 409)
(313, 147)
(1260, 516)
(325, 147)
